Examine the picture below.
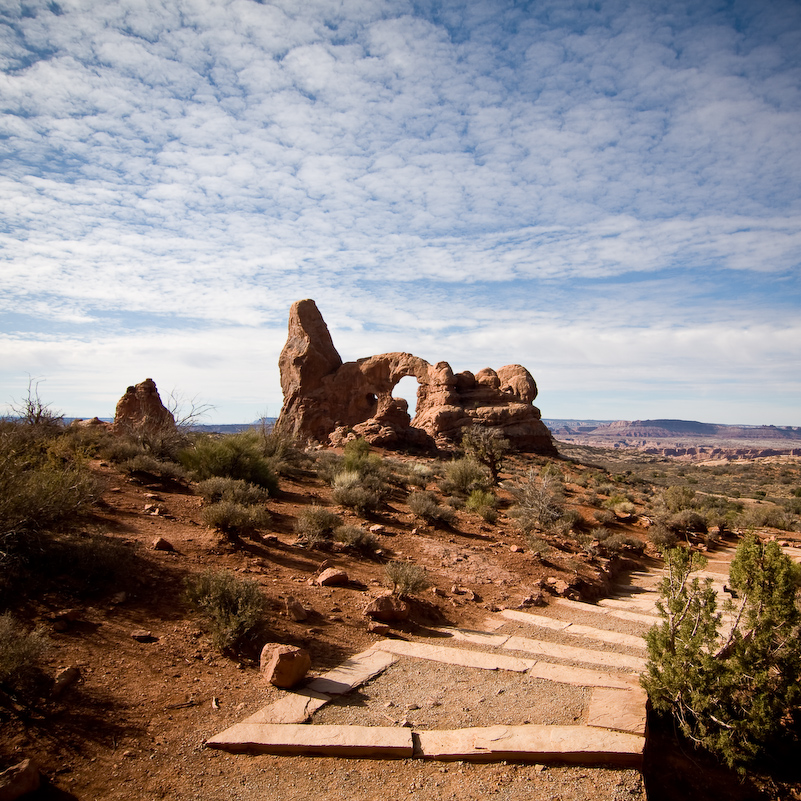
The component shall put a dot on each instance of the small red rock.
(332, 577)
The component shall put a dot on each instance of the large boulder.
(324, 397)
(284, 666)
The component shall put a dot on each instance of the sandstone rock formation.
(327, 400)
(140, 410)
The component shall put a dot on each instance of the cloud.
(423, 168)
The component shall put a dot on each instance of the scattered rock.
(160, 544)
(64, 679)
(284, 666)
(516, 549)
(295, 610)
(378, 628)
(378, 529)
(142, 635)
(440, 593)
(332, 577)
(19, 780)
(387, 609)
(119, 598)
(535, 599)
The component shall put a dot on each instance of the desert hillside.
(127, 677)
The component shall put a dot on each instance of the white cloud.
(477, 166)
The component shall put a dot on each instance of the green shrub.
(736, 697)
(662, 536)
(620, 541)
(424, 505)
(355, 454)
(351, 492)
(539, 546)
(687, 521)
(539, 502)
(765, 516)
(316, 524)
(417, 474)
(232, 606)
(152, 465)
(462, 476)
(238, 456)
(483, 503)
(487, 446)
(677, 498)
(235, 519)
(356, 537)
(220, 488)
(406, 578)
(21, 653)
(43, 490)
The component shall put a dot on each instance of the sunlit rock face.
(140, 410)
(328, 401)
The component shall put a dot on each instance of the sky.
(608, 193)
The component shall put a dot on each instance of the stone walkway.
(598, 647)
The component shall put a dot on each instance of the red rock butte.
(328, 400)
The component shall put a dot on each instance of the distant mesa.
(328, 400)
(140, 410)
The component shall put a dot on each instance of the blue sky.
(608, 193)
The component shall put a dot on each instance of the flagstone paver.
(571, 744)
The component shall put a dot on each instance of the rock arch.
(327, 400)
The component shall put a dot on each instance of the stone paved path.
(599, 647)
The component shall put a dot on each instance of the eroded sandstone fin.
(327, 400)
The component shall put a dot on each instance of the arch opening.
(407, 388)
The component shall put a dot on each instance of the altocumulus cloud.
(608, 195)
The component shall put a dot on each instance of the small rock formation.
(328, 401)
(284, 666)
(140, 410)
(387, 609)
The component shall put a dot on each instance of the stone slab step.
(377, 742)
(456, 656)
(620, 614)
(590, 632)
(295, 707)
(575, 654)
(352, 672)
(581, 745)
(475, 637)
(645, 605)
(298, 707)
(581, 677)
(622, 710)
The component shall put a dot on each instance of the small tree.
(732, 697)
(487, 446)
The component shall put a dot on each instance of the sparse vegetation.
(484, 504)
(240, 456)
(424, 504)
(316, 524)
(21, 652)
(235, 520)
(462, 476)
(357, 538)
(406, 578)
(539, 501)
(487, 446)
(232, 607)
